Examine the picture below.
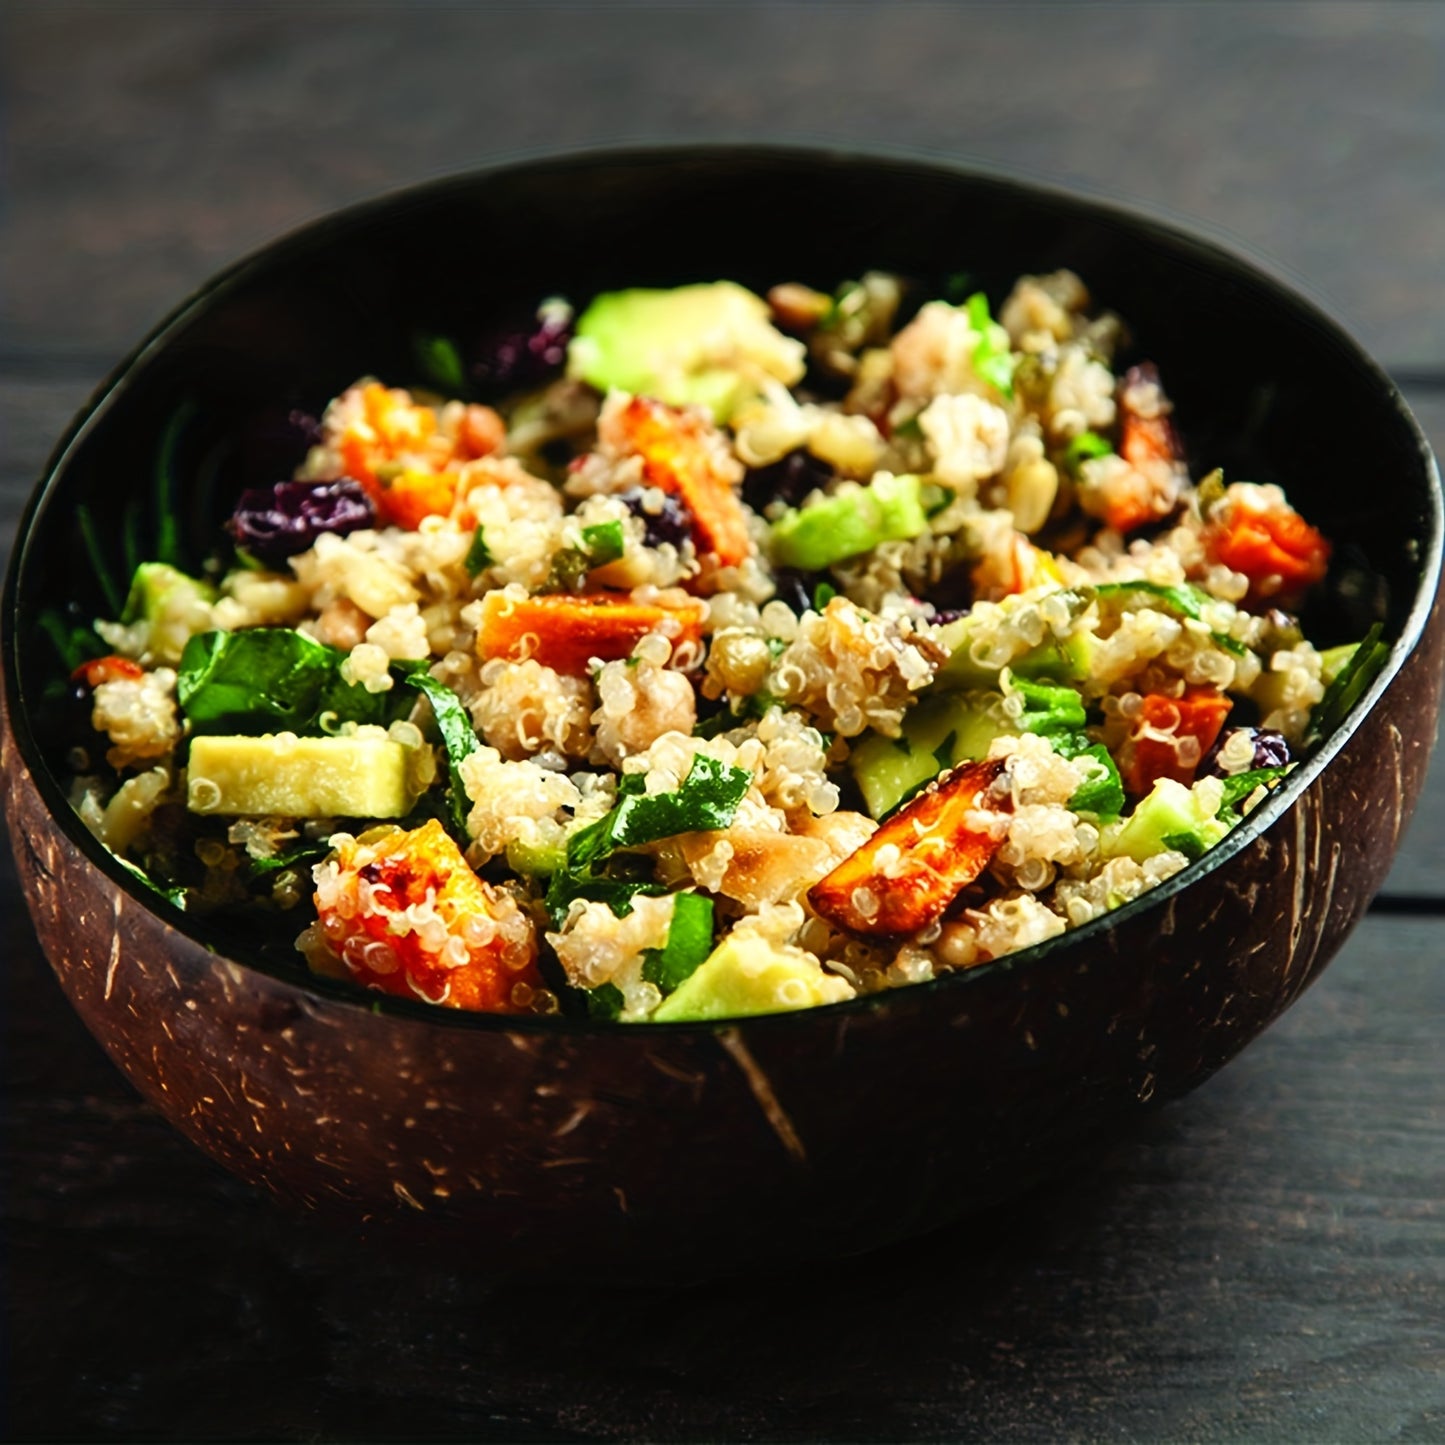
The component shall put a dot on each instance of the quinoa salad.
(702, 653)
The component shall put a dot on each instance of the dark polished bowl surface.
(687, 1150)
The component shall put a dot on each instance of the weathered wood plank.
(160, 143)
(1304, 1296)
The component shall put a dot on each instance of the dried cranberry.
(275, 522)
(668, 524)
(522, 354)
(788, 480)
(1271, 750)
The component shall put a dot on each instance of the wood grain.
(161, 142)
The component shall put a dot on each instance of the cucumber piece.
(939, 733)
(1170, 817)
(889, 509)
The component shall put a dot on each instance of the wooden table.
(1265, 1260)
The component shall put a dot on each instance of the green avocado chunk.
(709, 345)
(888, 509)
(748, 975)
(1171, 816)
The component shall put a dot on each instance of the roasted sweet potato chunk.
(910, 870)
(677, 456)
(402, 913)
(1170, 737)
(565, 632)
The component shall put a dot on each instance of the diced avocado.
(705, 345)
(888, 509)
(291, 777)
(1171, 816)
(940, 732)
(748, 975)
(172, 607)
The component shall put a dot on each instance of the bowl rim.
(1209, 243)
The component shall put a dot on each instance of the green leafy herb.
(174, 894)
(440, 363)
(1085, 447)
(454, 723)
(297, 857)
(1187, 600)
(269, 679)
(1103, 794)
(600, 545)
(1349, 686)
(689, 941)
(993, 359)
(1239, 788)
(479, 555)
(604, 1002)
(1053, 710)
(707, 799)
(1189, 844)
(823, 594)
(603, 543)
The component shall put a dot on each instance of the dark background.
(1263, 1261)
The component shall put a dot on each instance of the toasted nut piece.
(910, 870)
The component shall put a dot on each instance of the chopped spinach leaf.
(297, 857)
(708, 799)
(269, 679)
(602, 543)
(454, 723)
(174, 894)
(1239, 788)
(689, 941)
(440, 363)
(1103, 794)
(1085, 447)
(479, 555)
(1349, 686)
(1186, 599)
(1189, 844)
(992, 358)
(604, 1002)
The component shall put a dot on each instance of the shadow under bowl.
(688, 1150)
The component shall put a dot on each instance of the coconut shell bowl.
(683, 1150)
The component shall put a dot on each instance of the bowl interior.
(1263, 385)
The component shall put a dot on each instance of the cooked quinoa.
(768, 652)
